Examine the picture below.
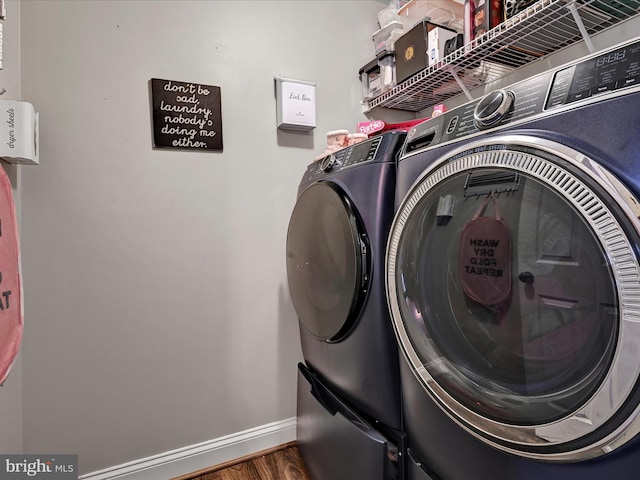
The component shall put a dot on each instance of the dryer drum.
(328, 261)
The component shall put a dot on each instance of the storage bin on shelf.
(378, 76)
(385, 38)
(448, 13)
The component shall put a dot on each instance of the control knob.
(493, 108)
(328, 162)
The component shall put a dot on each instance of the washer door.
(327, 261)
(514, 287)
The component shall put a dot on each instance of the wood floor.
(281, 463)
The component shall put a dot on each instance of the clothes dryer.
(513, 279)
(336, 245)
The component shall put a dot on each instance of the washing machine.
(336, 244)
(513, 279)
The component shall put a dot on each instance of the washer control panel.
(611, 71)
(518, 102)
(594, 77)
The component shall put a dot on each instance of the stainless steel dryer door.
(514, 287)
(327, 261)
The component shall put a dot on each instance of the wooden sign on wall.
(186, 115)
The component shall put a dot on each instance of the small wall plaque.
(296, 104)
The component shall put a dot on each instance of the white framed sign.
(296, 104)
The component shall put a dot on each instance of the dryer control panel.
(356, 154)
(381, 148)
(592, 79)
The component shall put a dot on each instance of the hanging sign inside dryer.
(484, 263)
(11, 315)
(186, 115)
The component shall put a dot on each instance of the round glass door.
(510, 270)
(327, 261)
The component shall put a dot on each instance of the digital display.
(611, 71)
(363, 152)
(611, 58)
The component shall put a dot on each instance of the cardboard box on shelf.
(436, 41)
(412, 50)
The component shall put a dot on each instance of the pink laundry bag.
(11, 314)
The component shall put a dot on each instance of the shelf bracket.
(585, 36)
(461, 84)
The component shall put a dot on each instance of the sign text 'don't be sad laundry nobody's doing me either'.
(186, 115)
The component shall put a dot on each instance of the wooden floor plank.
(282, 464)
(245, 470)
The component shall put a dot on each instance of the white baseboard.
(190, 459)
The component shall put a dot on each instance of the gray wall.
(156, 303)
(155, 284)
(11, 392)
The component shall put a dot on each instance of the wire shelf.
(543, 28)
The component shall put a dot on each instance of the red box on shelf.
(487, 15)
